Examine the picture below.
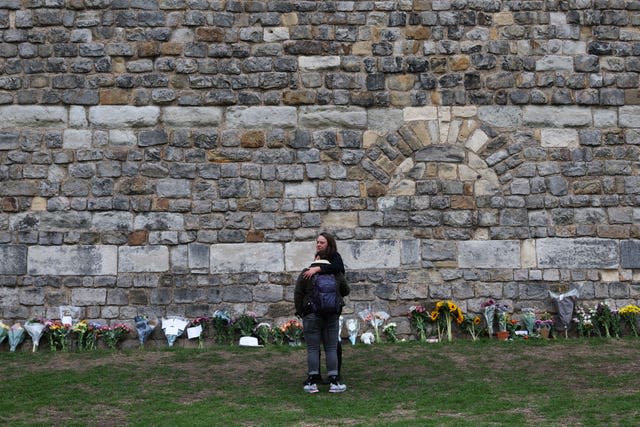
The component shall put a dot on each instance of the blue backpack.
(325, 297)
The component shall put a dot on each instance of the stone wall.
(178, 156)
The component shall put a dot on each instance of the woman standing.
(321, 328)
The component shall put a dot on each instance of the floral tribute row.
(601, 320)
(66, 334)
(429, 325)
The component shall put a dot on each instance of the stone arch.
(438, 142)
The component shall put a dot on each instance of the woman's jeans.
(321, 329)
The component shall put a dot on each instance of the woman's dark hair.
(332, 246)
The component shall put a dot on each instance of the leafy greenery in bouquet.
(606, 321)
(112, 335)
(86, 335)
(418, 317)
(58, 334)
(263, 332)
(473, 326)
(222, 327)
(245, 324)
(390, 332)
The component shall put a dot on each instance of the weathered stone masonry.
(176, 156)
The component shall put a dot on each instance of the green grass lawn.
(558, 382)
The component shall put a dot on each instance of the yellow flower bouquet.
(443, 315)
(630, 315)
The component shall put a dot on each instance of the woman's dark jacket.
(304, 289)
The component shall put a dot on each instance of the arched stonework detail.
(443, 144)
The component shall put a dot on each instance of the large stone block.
(143, 259)
(330, 117)
(13, 259)
(556, 116)
(159, 221)
(122, 116)
(501, 116)
(630, 254)
(19, 116)
(313, 63)
(192, 116)
(629, 116)
(299, 255)
(370, 254)
(577, 253)
(246, 257)
(72, 260)
(489, 254)
(88, 296)
(261, 117)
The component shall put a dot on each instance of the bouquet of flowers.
(86, 334)
(606, 321)
(376, 319)
(35, 328)
(277, 336)
(544, 324)
(489, 307)
(352, 327)
(173, 327)
(263, 332)
(389, 331)
(144, 327)
(113, 334)
(584, 319)
(502, 315)
(246, 323)
(292, 330)
(418, 316)
(529, 320)
(4, 331)
(443, 315)
(16, 335)
(222, 326)
(564, 304)
(630, 315)
(58, 334)
(473, 326)
(196, 329)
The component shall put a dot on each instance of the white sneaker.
(310, 385)
(335, 386)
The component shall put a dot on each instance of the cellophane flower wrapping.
(16, 335)
(173, 327)
(376, 319)
(144, 327)
(4, 330)
(263, 332)
(489, 314)
(35, 329)
(352, 327)
(196, 329)
(529, 320)
(565, 303)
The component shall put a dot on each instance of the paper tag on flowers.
(194, 332)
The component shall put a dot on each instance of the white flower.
(367, 338)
